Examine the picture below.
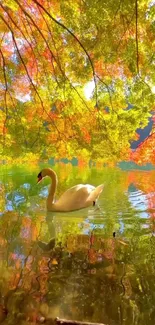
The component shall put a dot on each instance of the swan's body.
(77, 197)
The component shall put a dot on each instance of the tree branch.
(52, 55)
(107, 87)
(76, 38)
(30, 79)
(5, 94)
(137, 51)
(18, 28)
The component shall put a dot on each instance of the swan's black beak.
(39, 177)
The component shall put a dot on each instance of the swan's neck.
(53, 186)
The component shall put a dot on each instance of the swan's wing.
(77, 191)
(75, 197)
(94, 195)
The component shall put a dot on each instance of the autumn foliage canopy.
(50, 51)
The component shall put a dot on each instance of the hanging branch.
(76, 38)
(32, 40)
(42, 35)
(5, 93)
(52, 55)
(124, 32)
(5, 80)
(6, 83)
(18, 28)
(62, 135)
(137, 53)
(107, 87)
(5, 96)
(20, 56)
(29, 77)
(58, 61)
(137, 48)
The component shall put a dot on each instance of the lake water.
(96, 264)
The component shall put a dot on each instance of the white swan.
(77, 197)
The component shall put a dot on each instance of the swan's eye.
(39, 177)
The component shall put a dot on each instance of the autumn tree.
(50, 50)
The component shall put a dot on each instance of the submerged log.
(59, 321)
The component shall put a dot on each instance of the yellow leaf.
(11, 4)
(54, 262)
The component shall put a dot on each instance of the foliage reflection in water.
(70, 264)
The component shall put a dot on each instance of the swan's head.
(44, 172)
(40, 177)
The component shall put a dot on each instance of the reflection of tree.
(145, 181)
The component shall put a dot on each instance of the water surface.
(95, 264)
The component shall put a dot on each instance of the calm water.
(95, 264)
